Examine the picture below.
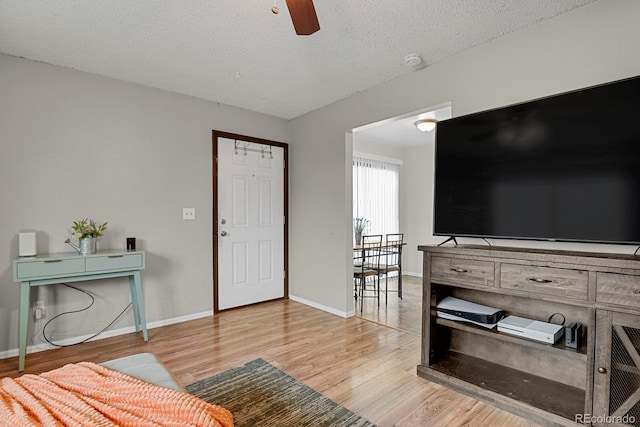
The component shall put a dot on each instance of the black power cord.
(44, 329)
(557, 314)
(636, 252)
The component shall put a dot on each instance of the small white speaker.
(27, 243)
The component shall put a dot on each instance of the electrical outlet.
(188, 213)
(39, 310)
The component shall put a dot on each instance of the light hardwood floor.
(367, 367)
(404, 314)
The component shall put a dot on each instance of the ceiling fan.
(303, 16)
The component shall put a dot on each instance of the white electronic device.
(27, 243)
(544, 332)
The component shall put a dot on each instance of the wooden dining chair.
(391, 261)
(366, 262)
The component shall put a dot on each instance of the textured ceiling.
(237, 52)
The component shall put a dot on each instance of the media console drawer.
(621, 289)
(561, 282)
(462, 271)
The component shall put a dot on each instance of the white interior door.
(250, 215)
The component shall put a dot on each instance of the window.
(376, 188)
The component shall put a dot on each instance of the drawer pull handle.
(539, 280)
(459, 270)
(116, 256)
(48, 261)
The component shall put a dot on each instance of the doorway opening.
(398, 141)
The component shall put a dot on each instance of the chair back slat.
(393, 248)
(372, 245)
(366, 264)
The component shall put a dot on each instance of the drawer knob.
(602, 370)
(539, 280)
(459, 270)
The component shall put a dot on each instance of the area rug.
(259, 394)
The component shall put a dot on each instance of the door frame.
(220, 134)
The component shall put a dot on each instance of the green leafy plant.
(359, 225)
(87, 228)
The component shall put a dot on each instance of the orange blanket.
(87, 394)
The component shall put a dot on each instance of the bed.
(135, 390)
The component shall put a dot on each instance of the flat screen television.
(560, 168)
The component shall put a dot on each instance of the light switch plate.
(188, 213)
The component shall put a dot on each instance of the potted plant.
(87, 232)
(359, 226)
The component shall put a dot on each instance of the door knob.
(602, 370)
(223, 221)
(223, 233)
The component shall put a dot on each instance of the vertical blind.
(376, 188)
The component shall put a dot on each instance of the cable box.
(459, 309)
(547, 333)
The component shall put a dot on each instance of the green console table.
(70, 267)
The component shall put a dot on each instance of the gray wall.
(75, 145)
(591, 45)
(417, 207)
(364, 144)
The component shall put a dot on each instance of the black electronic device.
(573, 335)
(131, 243)
(560, 168)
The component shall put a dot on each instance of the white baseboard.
(106, 334)
(412, 274)
(179, 319)
(331, 310)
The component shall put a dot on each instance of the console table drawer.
(622, 289)
(114, 262)
(561, 282)
(462, 271)
(53, 267)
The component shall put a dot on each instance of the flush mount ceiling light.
(426, 125)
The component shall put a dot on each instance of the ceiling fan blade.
(303, 16)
